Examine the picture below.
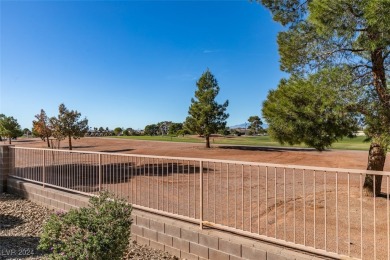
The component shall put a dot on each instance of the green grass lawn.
(345, 144)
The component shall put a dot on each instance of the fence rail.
(316, 209)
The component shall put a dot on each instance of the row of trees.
(206, 117)
(67, 124)
(101, 131)
(161, 128)
(165, 128)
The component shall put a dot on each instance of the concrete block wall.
(5, 166)
(188, 241)
(48, 197)
(179, 238)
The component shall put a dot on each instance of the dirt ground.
(293, 156)
(280, 205)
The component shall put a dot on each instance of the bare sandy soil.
(309, 157)
(315, 209)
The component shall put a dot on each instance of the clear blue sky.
(133, 63)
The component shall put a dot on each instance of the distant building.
(360, 133)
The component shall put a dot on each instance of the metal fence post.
(100, 172)
(43, 169)
(201, 194)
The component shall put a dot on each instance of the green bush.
(101, 231)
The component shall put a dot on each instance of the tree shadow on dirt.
(26, 141)
(76, 147)
(117, 151)
(384, 196)
(86, 178)
(267, 149)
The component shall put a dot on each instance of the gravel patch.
(20, 226)
(21, 223)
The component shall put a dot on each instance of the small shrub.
(101, 231)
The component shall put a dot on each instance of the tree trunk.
(48, 141)
(376, 162)
(70, 143)
(207, 141)
(379, 76)
(9, 139)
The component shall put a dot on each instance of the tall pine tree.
(206, 116)
(350, 35)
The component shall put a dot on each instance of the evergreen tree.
(163, 127)
(311, 111)
(117, 130)
(255, 124)
(352, 35)
(206, 116)
(151, 130)
(26, 132)
(175, 129)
